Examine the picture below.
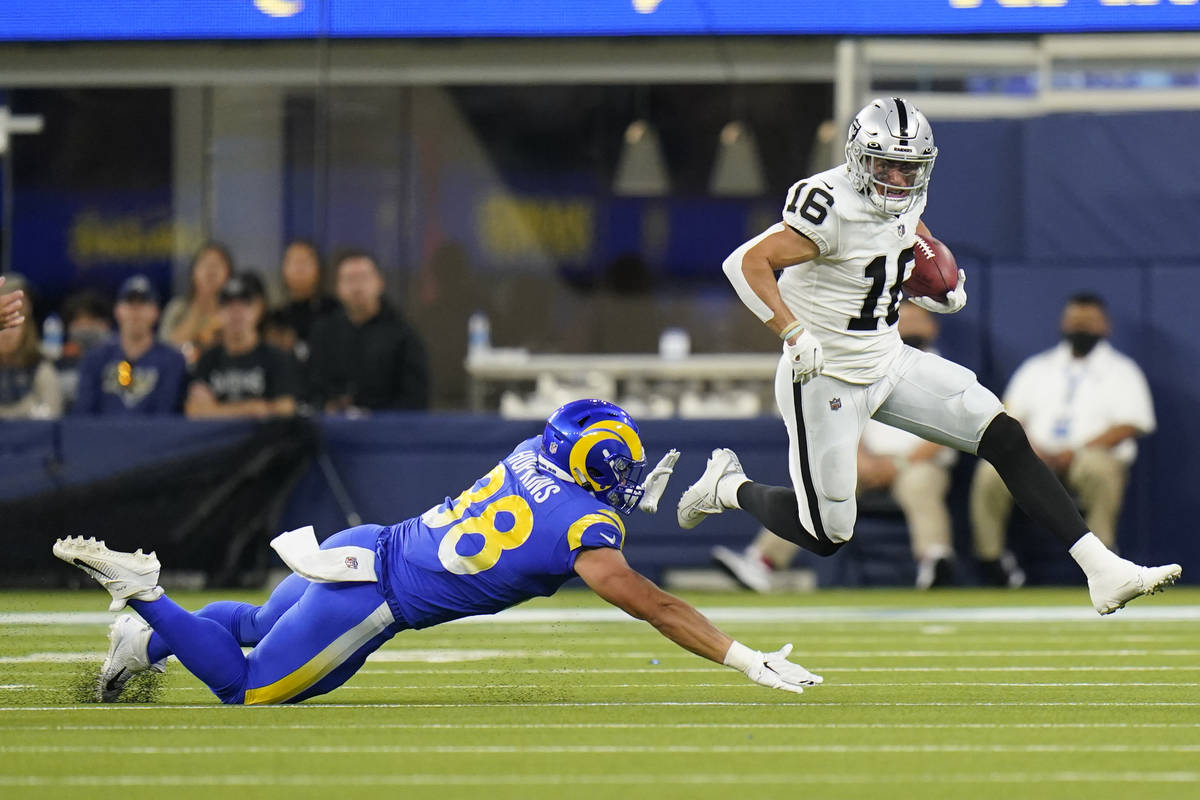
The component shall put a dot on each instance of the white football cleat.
(126, 576)
(128, 639)
(1122, 581)
(700, 499)
(746, 568)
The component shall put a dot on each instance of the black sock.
(1033, 486)
(778, 510)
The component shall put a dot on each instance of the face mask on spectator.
(87, 338)
(1082, 342)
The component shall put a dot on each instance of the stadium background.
(479, 153)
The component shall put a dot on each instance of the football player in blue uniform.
(550, 510)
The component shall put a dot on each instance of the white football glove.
(772, 670)
(806, 357)
(656, 482)
(954, 300)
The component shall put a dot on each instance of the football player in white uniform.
(845, 246)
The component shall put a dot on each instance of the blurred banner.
(294, 19)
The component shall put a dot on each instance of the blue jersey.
(514, 535)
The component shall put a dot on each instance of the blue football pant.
(316, 635)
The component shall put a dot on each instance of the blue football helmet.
(595, 444)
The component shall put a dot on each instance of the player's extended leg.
(944, 403)
(246, 622)
(824, 420)
(330, 627)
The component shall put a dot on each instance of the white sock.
(727, 488)
(1091, 554)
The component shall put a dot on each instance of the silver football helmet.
(890, 154)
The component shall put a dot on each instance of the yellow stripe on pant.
(323, 662)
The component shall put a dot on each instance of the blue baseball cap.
(137, 288)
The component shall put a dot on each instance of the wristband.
(740, 657)
(795, 327)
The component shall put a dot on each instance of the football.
(935, 272)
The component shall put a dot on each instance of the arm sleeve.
(733, 271)
(809, 211)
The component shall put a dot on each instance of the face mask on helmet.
(596, 445)
(890, 154)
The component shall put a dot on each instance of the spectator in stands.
(242, 376)
(306, 301)
(1083, 405)
(132, 373)
(29, 387)
(366, 356)
(915, 473)
(192, 323)
(88, 317)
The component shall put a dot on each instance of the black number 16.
(877, 272)
(816, 203)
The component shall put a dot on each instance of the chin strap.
(546, 465)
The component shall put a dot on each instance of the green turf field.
(965, 694)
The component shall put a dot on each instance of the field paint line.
(732, 684)
(808, 699)
(824, 668)
(1150, 612)
(588, 749)
(51, 658)
(574, 778)
(728, 726)
(400, 655)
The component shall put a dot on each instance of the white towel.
(300, 551)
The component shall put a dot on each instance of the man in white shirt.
(1083, 405)
(915, 472)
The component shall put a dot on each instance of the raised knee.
(838, 519)
(1004, 437)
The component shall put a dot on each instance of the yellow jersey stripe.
(600, 517)
(323, 662)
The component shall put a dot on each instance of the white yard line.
(1147, 612)
(588, 749)
(581, 726)
(812, 696)
(635, 779)
(402, 655)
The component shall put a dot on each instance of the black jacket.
(381, 364)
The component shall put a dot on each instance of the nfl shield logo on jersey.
(351, 562)
(835, 404)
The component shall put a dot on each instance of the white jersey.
(848, 296)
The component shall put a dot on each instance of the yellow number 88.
(495, 541)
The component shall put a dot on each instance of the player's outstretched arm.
(609, 575)
(751, 269)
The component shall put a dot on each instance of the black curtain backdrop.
(212, 511)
